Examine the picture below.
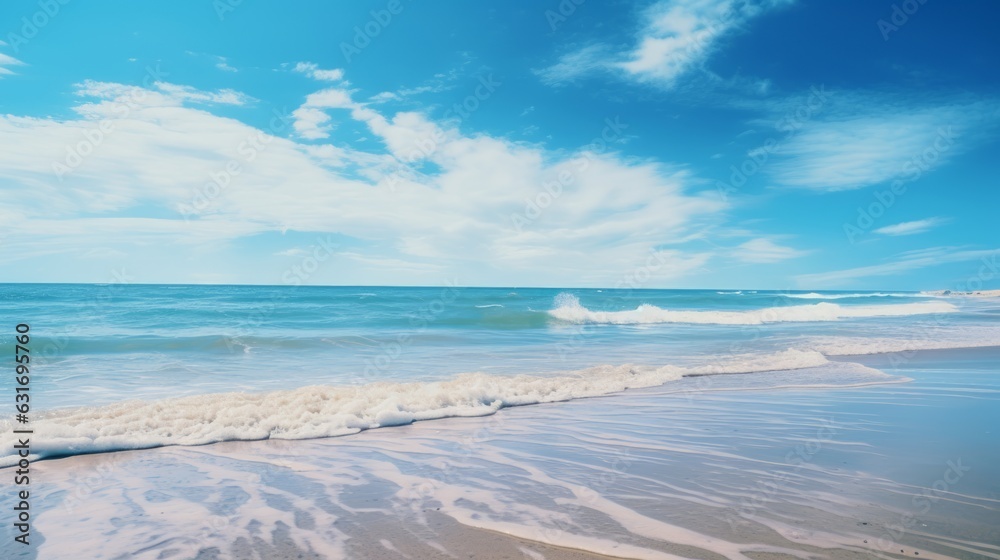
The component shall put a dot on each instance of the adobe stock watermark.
(767, 489)
(248, 150)
(366, 33)
(97, 305)
(930, 329)
(420, 321)
(225, 7)
(563, 11)
(428, 145)
(84, 487)
(634, 279)
(552, 190)
(414, 499)
(912, 170)
(588, 496)
(898, 17)
(736, 348)
(94, 137)
(32, 25)
(294, 276)
(989, 270)
(790, 124)
(921, 504)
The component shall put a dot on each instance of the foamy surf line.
(815, 295)
(327, 411)
(569, 309)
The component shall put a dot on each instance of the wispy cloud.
(862, 139)
(6, 61)
(188, 93)
(910, 228)
(905, 262)
(403, 93)
(115, 95)
(103, 253)
(223, 64)
(576, 64)
(441, 82)
(675, 37)
(293, 252)
(763, 250)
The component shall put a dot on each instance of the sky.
(765, 144)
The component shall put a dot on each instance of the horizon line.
(807, 290)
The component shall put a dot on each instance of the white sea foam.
(322, 411)
(814, 295)
(489, 305)
(568, 309)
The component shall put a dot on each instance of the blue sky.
(773, 144)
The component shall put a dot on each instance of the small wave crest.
(569, 309)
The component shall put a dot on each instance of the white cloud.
(910, 228)
(676, 37)
(331, 98)
(763, 250)
(311, 119)
(312, 70)
(311, 123)
(433, 201)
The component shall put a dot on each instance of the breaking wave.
(569, 309)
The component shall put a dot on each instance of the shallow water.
(136, 366)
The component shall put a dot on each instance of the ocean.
(117, 366)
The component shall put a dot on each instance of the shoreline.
(690, 471)
(975, 293)
(127, 417)
(755, 380)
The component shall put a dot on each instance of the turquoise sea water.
(313, 361)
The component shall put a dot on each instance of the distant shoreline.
(977, 293)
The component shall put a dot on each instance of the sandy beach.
(730, 466)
